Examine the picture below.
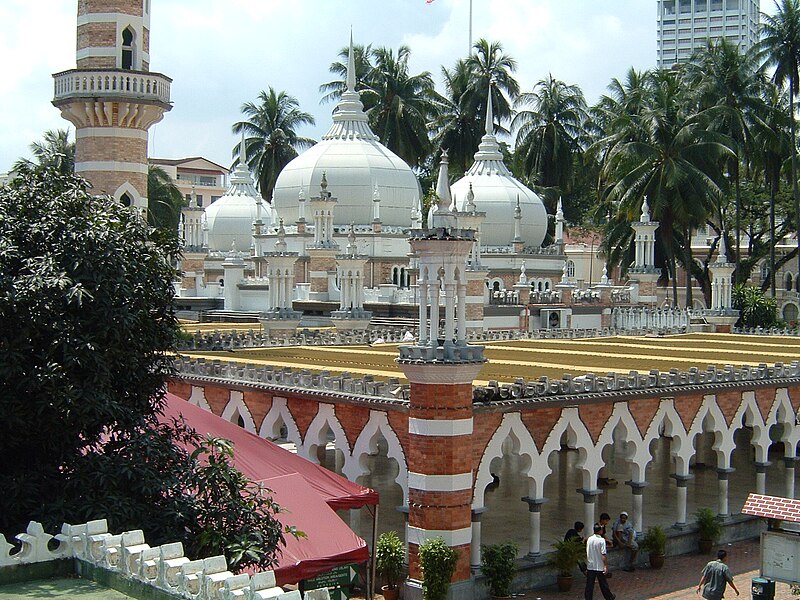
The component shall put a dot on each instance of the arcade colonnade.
(536, 435)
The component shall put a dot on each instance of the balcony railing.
(111, 83)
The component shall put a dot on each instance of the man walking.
(597, 565)
(716, 575)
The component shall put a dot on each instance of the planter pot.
(656, 560)
(390, 593)
(564, 583)
(705, 546)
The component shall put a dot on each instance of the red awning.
(308, 492)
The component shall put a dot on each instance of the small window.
(788, 282)
(790, 313)
(570, 268)
(126, 200)
(127, 48)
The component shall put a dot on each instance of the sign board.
(338, 581)
(780, 556)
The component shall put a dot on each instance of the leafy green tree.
(164, 200)
(401, 105)
(489, 64)
(271, 140)
(86, 344)
(755, 309)
(551, 132)
(362, 61)
(780, 48)
(55, 150)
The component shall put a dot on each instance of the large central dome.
(356, 164)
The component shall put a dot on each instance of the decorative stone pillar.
(637, 489)
(475, 547)
(535, 510)
(441, 372)
(761, 477)
(233, 272)
(280, 319)
(643, 272)
(721, 314)
(680, 499)
(350, 269)
(322, 252)
(722, 482)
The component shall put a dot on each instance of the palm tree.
(457, 125)
(402, 106)
(272, 140)
(164, 200)
(729, 84)
(780, 48)
(488, 63)
(54, 150)
(551, 131)
(675, 165)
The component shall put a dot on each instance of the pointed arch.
(324, 419)
(578, 437)
(668, 422)
(198, 397)
(723, 444)
(510, 427)
(621, 419)
(367, 443)
(271, 425)
(237, 407)
(132, 192)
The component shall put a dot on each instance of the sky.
(221, 54)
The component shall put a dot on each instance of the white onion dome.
(496, 193)
(356, 164)
(230, 219)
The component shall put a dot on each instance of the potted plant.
(498, 564)
(389, 562)
(438, 563)
(565, 557)
(655, 542)
(709, 528)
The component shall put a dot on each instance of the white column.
(462, 312)
(449, 312)
(637, 488)
(475, 546)
(680, 499)
(435, 289)
(761, 477)
(790, 464)
(589, 502)
(535, 512)
(422, 289)
(722, 478)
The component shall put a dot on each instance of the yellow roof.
(531, 359)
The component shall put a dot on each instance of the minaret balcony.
(112, 84)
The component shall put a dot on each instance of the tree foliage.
(164, 200)
(85, 347)
(755, 309)
(54, 150)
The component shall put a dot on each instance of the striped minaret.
(441, 368)
(111, 97)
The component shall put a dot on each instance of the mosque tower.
(112, 98)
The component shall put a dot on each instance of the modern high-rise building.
(685, 26)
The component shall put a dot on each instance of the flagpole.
(469, 50)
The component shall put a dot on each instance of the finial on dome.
(470, 199)
(489, 111)
(243, 150)
(376, 193)
(351, 240)
(351, 66)
(443, 186)
(518, 209)
(280, 244)
(645, 218)
(723, 249)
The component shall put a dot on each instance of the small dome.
(356, 163)
(496, 193)
(230, 219)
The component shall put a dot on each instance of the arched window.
(396, 276)
(126, 200)
(127, 48)
(221, 282)
(788, 282)
(570, 268)
(790, 313)
(496, 286)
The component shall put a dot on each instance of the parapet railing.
(110, 83)
(129, 557)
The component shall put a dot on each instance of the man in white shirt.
(597, 565)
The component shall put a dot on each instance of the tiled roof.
(772, 507)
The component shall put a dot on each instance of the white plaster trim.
(456, 537)
(109, 17)
(94, 51)
(237, 405)
(440, 373)
(110, 166)
(198, 398)
(324, 419)
(437, 427)
(279, 412)
(439, 483)
(112, 132)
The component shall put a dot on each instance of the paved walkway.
(677, 580)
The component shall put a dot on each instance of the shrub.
(498, 563)
(390, 557)
(438, 563)
(755, 308)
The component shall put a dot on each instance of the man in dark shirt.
(576, 533)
